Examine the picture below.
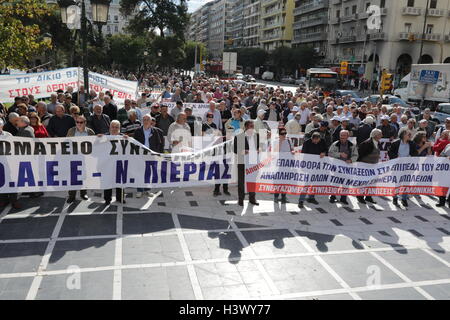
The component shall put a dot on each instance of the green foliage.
(189, 48)
(287, 60)
(161, 15)
(126, 51)
(251, 57)
(20, 37)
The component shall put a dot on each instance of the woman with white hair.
(3, 134)
(369, 152)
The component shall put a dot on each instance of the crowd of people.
(332, 126)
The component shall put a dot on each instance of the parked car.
(249, 78)
(442, 113)
(391, 100)
(239, 76)
(268, 76)
(288, 79)
(301, 81)
(353, 94)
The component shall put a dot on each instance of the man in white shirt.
(305, 114)
(179, 134)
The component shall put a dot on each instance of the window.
(433, 4)
(116, 29)
(410, 3)
(383, 4)
(429, 28)
(408, 27)
(354, 8)
(116, 18)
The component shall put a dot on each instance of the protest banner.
(198, 109)
(43, 84)
(58, 164)
(310, 174)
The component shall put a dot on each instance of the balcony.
(349, 18)
(436, 12)
(273, 25)
(310, 37)
(309, 23)
(411, 11)
(271, 37)
(347, 39)
(336, 2)
(407, 35)
(306, 8)
(433, 37)
(377, 36)
(335, 20)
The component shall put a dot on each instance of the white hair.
(13, 115)
(115, 122)
(1, 123)
(25, 119)
(375, 132)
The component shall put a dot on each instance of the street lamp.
(70, 15)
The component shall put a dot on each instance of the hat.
(324, 124)
(298, 114)
(340, 107)
(260, 112)
(369, 120)
(336, 118)
(295, 109)
(344, 119)
(188, 108)
(385, 117)
(423, 121)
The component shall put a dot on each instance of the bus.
(323, 78)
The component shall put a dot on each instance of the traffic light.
(344, 68)
(386, 81)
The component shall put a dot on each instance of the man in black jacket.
(364, 130)
(245, 143)
(110, 109)
(324, 132)
(316, 146)
(59, 125)
(100, 122)
(369, 152)
(152, 138)
(11, 125)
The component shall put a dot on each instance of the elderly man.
(314, 124)
(24, 128)
(442, 129)
(305, 113)
(153, 139)
(177, 110)
(293, 126)
(110, 109)
(59, 125)
(346, 151)
(122, 114)
(179, 133)
(80, 130)
(12, 197)
(11, 125)
(51, 107)
(45, 117)
(389, 130)
(132, 124)
(100, 122)
(164, 120)
(369, 152)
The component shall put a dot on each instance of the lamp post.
(424, 31)
(70, 15)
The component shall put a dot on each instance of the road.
(185, 244)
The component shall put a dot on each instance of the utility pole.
(423, 33)
(84, 47)
(195, 58)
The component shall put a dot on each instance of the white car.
(268, 75)
(239, 76)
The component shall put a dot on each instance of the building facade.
(354, 35)
(276, 24)
(310, 25)
(252, 22)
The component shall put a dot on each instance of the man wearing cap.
(314, 124)
(444, 128)
(424, 126)
(335, 124)
(388, 130)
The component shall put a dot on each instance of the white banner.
(31, 165)
(309, 174)
(198, 109)
(43, 84)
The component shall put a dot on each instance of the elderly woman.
(442, 142)
(39, 129)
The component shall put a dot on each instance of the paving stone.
(200, 223)
(86, 225)
(21, 257)
(15, 288)
(27, 228)
(273, 242)
(147, 223)
(392, 294)
(438, 291)
(144, 250)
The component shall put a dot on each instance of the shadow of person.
(229, 241)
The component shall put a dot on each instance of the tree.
(20, 38)
(162, 15)
(305, 57)
(288, 60)
(189, 50)
(168, 51)
(126, 51)
(251, 57)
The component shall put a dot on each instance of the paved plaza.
(185, 244)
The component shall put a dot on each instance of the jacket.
(27, 132)
(334, 151)
(363, 132)
(156, 141)
(71, 132)
(393, 149)
(311, 148)
(365, 149)
(100, 126)
(325, 136)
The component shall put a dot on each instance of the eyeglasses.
(80, 122)
(283, 133)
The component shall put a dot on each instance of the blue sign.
(429, 76)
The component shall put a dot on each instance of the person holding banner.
(346, 151)
(280, 146)
(59, 125)
(80, 130)
(179, 134)
(401, 148)
(369, 152)
(100, 122)
(246, 144)
(10, 197)
(114, 130)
